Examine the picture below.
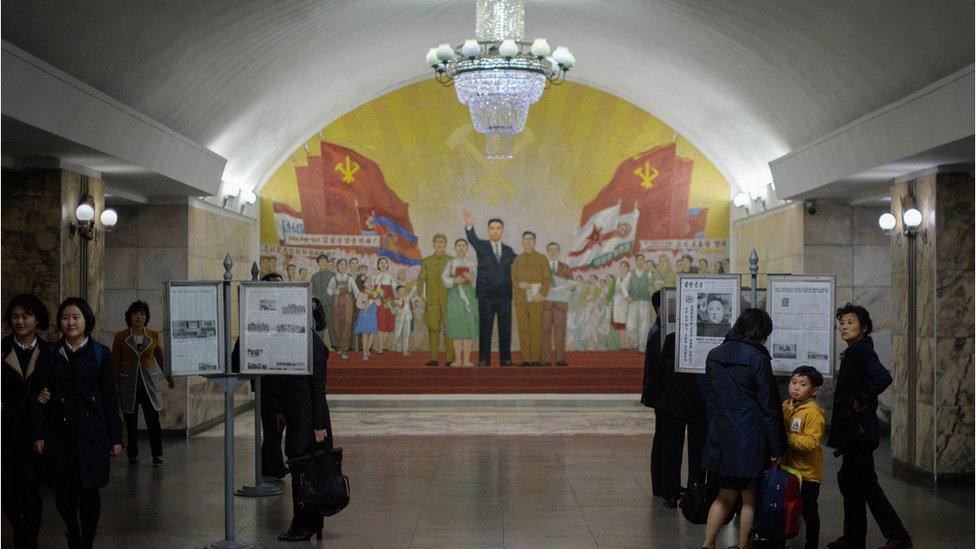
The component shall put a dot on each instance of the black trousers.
(810, 493)
(74, 503)
(22, 507)
(272, 460)
(488, 309)
(656, 477)
(152, 424)
(859, 487)
(671, 432)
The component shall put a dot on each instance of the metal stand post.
(228, 382)
(259, 489)
(754, 274)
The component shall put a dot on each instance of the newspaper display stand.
(802, 309)
(707, 306)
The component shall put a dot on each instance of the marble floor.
(435, 490)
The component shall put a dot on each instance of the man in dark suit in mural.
(493, 287)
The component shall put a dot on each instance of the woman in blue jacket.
(745, 420)
(854, 434)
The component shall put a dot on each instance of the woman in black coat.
(745, 420)
(307, 422)
(78, 429)
(24, 353)
(854, 433)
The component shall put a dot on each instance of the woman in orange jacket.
(138, 359)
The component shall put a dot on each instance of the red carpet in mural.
(393, 373)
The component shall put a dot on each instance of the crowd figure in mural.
(466, 293)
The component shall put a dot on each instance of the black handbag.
(321, 487)
(697, 499)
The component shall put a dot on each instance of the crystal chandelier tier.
(497, 75)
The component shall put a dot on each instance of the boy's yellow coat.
(804, 435)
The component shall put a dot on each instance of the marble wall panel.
(925, 306)
(126, 231)
(163, 226)
(925, 372)
(829, 259)
(955, 295)
(864, 227)
(830, 226)
(121, 268)
(116, 302)
(754, 232)
(898, 364)
(877, 300)
(899, 303)
(955, 376)
(924, 437)
(899, 428)
(954, 224)
(871, 265)
(159, 265)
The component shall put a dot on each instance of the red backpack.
(779, 508)
(794, 504)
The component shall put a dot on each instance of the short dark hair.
(303, 269)
(496, 220)
(688, 257)
(862, 314)
(458, 241)
(622, 263)
(715, 297)
(528, 232)
(82, 306)
(272, 275)
(136, 307)
(638, 255)
(811, 373)
(656, 299)
(31, 304)
(401, 287)
(354, 258)
(752, 325)
(378, 261)
(341, 261)
(556, 244)
(321, 257)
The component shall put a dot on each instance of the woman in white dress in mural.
(596, 314)
(621, 304)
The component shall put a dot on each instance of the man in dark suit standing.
(493, 288)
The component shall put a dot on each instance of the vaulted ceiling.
(746, 81)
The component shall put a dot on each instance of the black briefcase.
(697, 499)
(321, 486)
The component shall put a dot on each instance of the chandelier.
(497, 75)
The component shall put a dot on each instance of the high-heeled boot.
(302, 529)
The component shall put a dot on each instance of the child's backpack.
(778, 508)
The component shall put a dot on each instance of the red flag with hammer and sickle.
(659, 183)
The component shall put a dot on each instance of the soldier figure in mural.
(531, 280)
(320, 290)
(434, 294)
(639, 312)
(493, 288)
(461, 324)
(342, 292)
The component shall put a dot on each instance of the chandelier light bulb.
(887, 221)
(85, 212)
(471, 49)
(540, 48)
(109, 218)
(570, 60)
(432, 59)
(561, 55)
(508, 48)
(741, 200)
(912, 218)
(445, 52)
(247, 197)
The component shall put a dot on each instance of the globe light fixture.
(741, 200)
(84, 224)
(109, 218)
(85, 212)
(887, 222)
(912, 218)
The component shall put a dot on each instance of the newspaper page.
(276, 328)
(802, 309)
(707, 306)
(195, 328)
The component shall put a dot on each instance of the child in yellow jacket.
(804, 420)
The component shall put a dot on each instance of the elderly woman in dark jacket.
(854, 433)
(79, 428)
(745, 420)
(24, 353)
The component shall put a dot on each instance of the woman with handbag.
(24, 353)
(745, 420)
(307, 422)
(78, 430)
(138, 358)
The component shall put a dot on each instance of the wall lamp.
(911, 219)
(741, 200)
(246, 198)
(85, 220)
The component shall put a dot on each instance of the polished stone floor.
(460, 491)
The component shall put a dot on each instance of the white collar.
(26, 347)
(74, 349)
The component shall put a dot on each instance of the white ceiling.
(746, 81)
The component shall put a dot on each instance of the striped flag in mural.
(605, 236)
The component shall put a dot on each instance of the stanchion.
(228, 383)
(259, 489)
(754, 274)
